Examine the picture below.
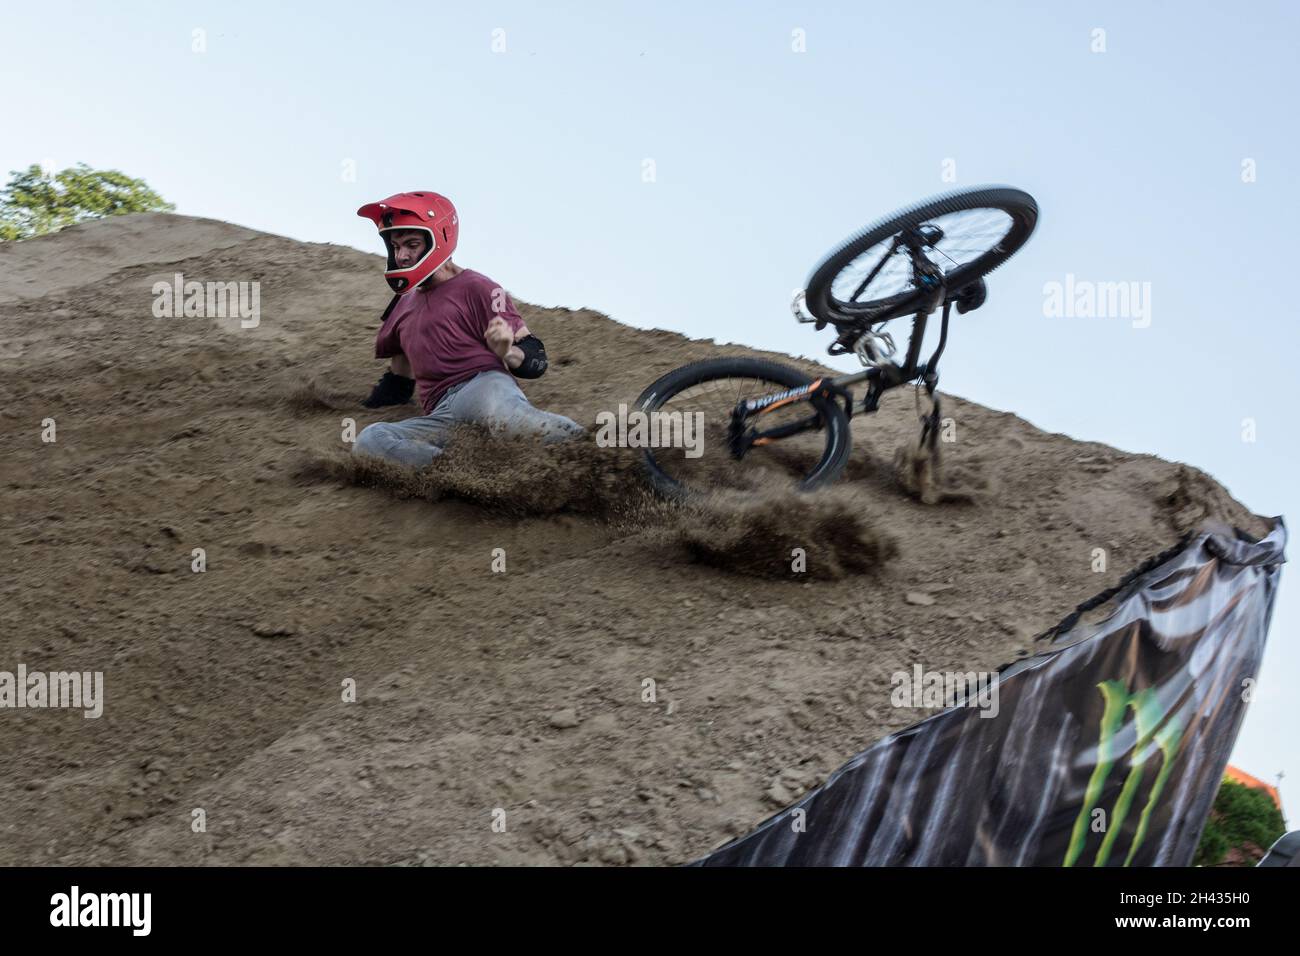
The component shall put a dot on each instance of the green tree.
(1241, 815)
(35, 202)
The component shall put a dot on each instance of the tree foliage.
(1241, 815)
(35, 202)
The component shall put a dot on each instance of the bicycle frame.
(930, 291)
(881, 377)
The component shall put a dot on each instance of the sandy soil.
(476, 691)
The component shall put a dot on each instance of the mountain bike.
(752, 415)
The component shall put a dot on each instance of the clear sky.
(538, 119)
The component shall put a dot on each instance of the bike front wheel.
(967, 233)
(696, 402)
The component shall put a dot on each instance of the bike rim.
(968, 235)
(710, 466)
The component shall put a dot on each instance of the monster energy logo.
(1152, 735)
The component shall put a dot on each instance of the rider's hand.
(499, 337)
(392, 389)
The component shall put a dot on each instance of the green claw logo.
(1151, 736)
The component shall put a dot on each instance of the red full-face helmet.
(427, 212)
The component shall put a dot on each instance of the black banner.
(1107, 748)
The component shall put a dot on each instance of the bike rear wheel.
(709, 392)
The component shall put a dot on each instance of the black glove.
(392, 389)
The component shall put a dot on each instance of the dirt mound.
(88, 252)
(523, 629)
(768, 533)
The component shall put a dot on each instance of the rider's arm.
(398, 384)
(388, 340)
(524, 356)
(527, 356)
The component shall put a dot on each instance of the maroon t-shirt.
(440, 331)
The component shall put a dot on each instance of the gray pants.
(489, 398)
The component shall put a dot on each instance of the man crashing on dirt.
(452, 332)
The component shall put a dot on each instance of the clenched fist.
(498, 336)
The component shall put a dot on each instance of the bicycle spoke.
(967, 235)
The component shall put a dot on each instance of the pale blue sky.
(764, 159)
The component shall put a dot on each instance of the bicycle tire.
(1017, 203)
(835, 423)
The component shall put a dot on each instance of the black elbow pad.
(534, 363)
